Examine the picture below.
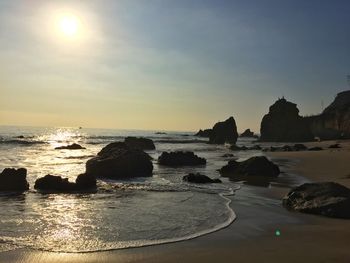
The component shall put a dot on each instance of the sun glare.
(68, 25)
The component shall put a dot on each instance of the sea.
(122, 213)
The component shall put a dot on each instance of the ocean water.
(123, 213)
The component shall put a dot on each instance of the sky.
(169, 64)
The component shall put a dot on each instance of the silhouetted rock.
(224, 132)
(334, 146)
(204, 133)
(247, 133)
(283, 123)
(73, 146)
(180, 159)
(299, 147)
(20, 137)
(327, 199)
(256, 166)
(235, 147)
(315, 149)
(160, 133)
(14, 180)
(85, 181)
(199, 179)
(117, 160)
(139, 143)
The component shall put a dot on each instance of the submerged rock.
(117, 160)
(73, 146)
(327, 199)
(199, 179)
(139, 143)
(224, 132)
(258, 166)
(180, 159)
(12, 179)
(315, 149)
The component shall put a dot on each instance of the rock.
(226, 155)
(159, 133)
(283, 124)
(327, 199)
(315, 149)
(248, 133)
(14, 180)
(180, 159)
(73, 146)
(235, 147)
(224, 132)
(199, 179)
(334, 146)
(85, 181)
(54, 183)
(139, 143)
(258, 166)
(117, 160)
(299, 147)
(204, 133)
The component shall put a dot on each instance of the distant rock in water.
(258, 166)
(51, 183)
(283, 124)
(327, 199)
(204, 133)
(224, 132)
(117, 161)
(235, 147)
(287, 148)
(248, 133)
(139, 143)
(14, 180)
(199, 179)
(159, 133)
(314, 149)
(334, 146)
(180, 159)
(73, 146)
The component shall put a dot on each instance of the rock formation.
(199, 179)
(248, 133)
(327, 199)
(204, 133)
(14, 180)
(224, 132)
(73, 146)
(180, 159)
(139, 143)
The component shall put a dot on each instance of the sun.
(68, 25)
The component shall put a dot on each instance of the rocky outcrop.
(73, 146)
(199, 179)
(224, 132)
(14, 180)
(117, 160)
(204, 133)
(248, 133)
(180, 159)
(327, 199)
(258, 166)
(245, 148)
(139, 143)
(284, 124)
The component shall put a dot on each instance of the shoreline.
(251, 237)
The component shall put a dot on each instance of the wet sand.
(251, 238)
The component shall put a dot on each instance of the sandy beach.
(251, 238)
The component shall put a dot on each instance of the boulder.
(224, 132)
(283, 124)
(15, 180)
(248, 133)
(334, 146)
(180, 159)
(73, 146)
(327, 199)
(54, 183)
(139, 143)
(85, 181)
(258, 166)
(315, 149)
(117, 160)
(199, 179)
(204, 133)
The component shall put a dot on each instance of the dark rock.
(226, 155)
(199, 179)
(256, 166)
(73, 146)
(180, 159)
(85, 181)
(160, 133)
(14, 180)
(334, 146)
(235, 147)
(139, 143)
(204, 133)
(299, 147)
(315, 149)
(20, 137)
(117, 160)
(327, 199)
(224, 132)
(283, 124)
(54, 183)
(248, 133)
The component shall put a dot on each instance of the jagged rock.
(327, 199)
(199, 179)
(12, 179)
(139, 143)
(73, 146)
(334, 146)
(248, 133)
(224, 132)
(283, 123)
(258, 166)
(180, 159)
(204, 133)
(117, 160)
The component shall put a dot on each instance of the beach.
(252, 237)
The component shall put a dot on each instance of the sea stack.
(224, 132)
